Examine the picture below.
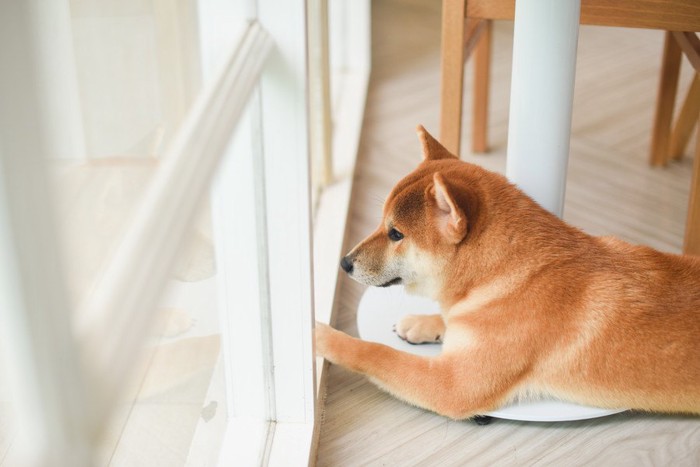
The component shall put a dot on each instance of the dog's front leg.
(449, 384)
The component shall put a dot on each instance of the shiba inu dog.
(529, 304)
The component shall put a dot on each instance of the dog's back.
(619, 324)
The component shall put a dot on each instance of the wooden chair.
(669, 142)
(467, 29)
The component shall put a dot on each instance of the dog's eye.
(395, 235)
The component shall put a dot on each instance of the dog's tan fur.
(529, 304)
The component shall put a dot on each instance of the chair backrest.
(669, 15)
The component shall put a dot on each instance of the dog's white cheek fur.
(422, 272)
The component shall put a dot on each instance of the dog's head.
(424, 223)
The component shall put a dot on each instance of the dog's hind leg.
(449, 384)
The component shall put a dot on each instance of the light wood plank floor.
(611, 190)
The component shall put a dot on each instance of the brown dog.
(530, 305)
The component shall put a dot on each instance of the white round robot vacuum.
(381, 308)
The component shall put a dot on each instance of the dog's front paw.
(421, 329)
(326, 340)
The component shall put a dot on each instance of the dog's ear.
(432, 150)
(450, 219)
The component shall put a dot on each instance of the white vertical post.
(285, 138)
(239, 235)
(286, 152)
(541, 98)
(37, 336)
(241, 273)
(280, 127)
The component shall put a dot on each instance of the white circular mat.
(381, 308)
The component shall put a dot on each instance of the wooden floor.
(611, 190)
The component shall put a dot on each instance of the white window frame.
(270, 426)
(349, 66)
(67, 376)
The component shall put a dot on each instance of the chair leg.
(686, 120)
(692, 223)
(482, 68)
(665, 101)
(452, 73)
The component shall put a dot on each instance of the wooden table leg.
(482, 68)
(452, 73)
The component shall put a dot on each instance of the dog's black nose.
(346, 265)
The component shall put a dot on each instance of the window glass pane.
(173, 411)
(136, 67)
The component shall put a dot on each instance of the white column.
(541, 98)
